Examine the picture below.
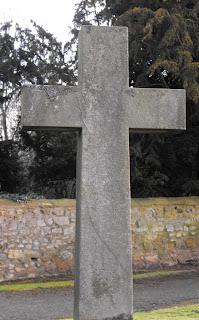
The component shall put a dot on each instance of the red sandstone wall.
(165, 232)
(37, 238)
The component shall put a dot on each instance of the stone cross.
(102, 108)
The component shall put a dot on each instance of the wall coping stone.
(135, 202)
(164, 201)
(41, 203)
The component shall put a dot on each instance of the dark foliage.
(53, 167)
(163, 53)
(9, 167)
(43, 163)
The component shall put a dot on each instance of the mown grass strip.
(32, 286)
(156, 274)
(182, 313)
(56, 284)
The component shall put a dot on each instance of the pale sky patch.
(54, 16)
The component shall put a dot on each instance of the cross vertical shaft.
(103, 282)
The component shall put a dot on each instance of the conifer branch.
(164, 83)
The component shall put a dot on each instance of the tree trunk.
(4, 135)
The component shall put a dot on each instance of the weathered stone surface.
(51, 268)
(54, 111)
(143, 118)
(152, 261)
(184, 256)
(169, 227)
(61, 221)
(41, 223)
(103, 249)
(57, 230)
(192, 242)
(15, 254)
(63, 266)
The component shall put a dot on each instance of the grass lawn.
(33, 286)
(182, 313)
(55, 284)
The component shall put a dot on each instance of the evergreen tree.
(163, 53)
(32, 56)
(9, 167)
(28, 57)
(52, 170)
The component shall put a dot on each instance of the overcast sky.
(55, 16)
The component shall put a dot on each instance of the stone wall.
(165, 232)
(37, 238)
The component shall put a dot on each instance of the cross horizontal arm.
(51, 107)
(152, 110)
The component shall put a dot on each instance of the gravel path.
(50, 304)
